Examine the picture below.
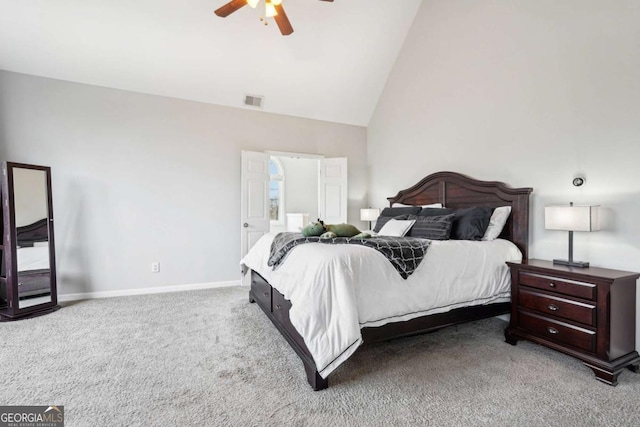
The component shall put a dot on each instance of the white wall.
(529, 93)
(139, 178)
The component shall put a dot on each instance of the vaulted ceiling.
(333, 67)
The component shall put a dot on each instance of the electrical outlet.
(155, 267)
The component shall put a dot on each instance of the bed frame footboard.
(276, 307)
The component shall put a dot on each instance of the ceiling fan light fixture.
(272, 9)
(269, 10)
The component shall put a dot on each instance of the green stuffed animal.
(362, 235)
(328, 235)
(329, 231)
(314, 228)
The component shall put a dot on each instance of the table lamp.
(572, 218)
(369, 214)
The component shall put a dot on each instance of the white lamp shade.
(572, 218)
(369, 214)
(270, 10)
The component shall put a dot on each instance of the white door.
(254, 200)
(332, 190)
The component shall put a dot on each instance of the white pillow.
(432, 205)
(396, 227)
(496, 223)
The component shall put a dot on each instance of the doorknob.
(245, 225)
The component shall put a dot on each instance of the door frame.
(295, 155)
(274, 153)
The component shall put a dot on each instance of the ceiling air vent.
(255, 101)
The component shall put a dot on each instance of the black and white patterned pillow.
(432, 227)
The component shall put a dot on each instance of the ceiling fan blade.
(230, 7)
(282, 21)
(326, 0)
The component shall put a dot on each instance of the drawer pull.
(551, 284)
(553, 307)
(553, 331)
(266, 294)
(278, 307)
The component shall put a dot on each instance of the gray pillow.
(471, 223)
(468, 223)
(397, 213)
(407, 210)
(432, 227)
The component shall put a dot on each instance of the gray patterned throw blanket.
(404, 253)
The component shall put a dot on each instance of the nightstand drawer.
(563, 286)
(558, 332)
(557, 306)
(588, 313)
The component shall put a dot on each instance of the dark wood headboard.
(36, 232)
(455, 190)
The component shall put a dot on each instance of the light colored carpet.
(209, 358)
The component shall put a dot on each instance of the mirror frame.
(12, 311)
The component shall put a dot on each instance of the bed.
(338, 310)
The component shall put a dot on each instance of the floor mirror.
(28, 272)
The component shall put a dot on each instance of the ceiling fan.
(273, 8)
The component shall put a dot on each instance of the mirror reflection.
(32, 235)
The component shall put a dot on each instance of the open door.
(332, 190)
(254, 200)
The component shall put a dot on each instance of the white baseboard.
(505, 317)
(147, 291)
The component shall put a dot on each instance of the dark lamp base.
(571, 263)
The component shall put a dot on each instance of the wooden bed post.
(314, 378)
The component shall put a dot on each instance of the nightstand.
(587, 313)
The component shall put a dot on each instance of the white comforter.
(33, 258)
(337, 289)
